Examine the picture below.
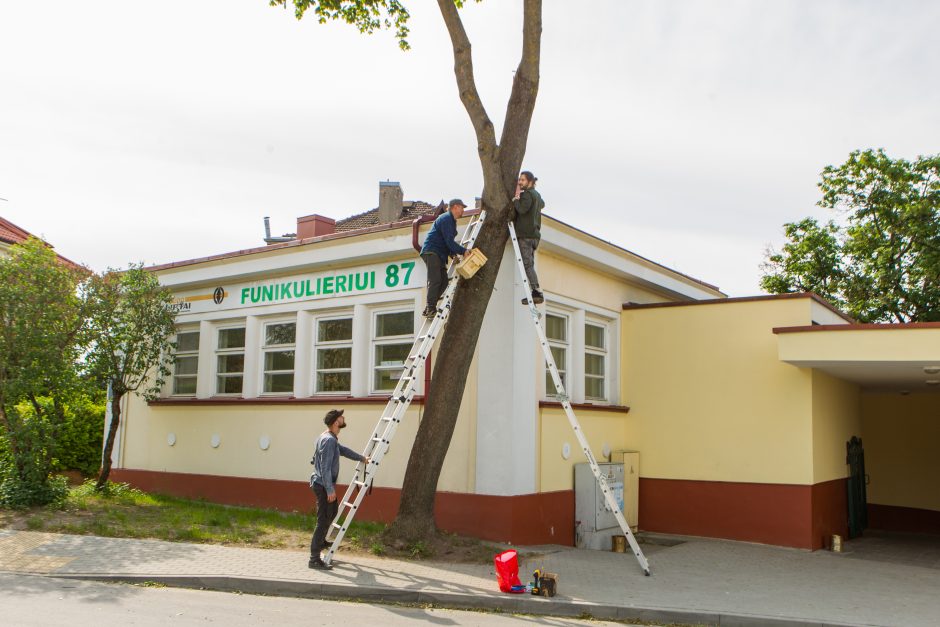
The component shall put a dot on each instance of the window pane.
(279, 360)
(232, 338)
(186, 365)
(594, 364)
(229, 385)
(283, 333)
(391, 354)
(330, 358)
(231, 363)
(387, 379)
(594, 387)
(559, 354)
(335, 330)
(188, 341)
(279, 382)
(394, 324)
(594, 336)
(556, 328)
(184, 385)
(550, 389)
(333, 382)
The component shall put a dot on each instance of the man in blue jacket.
(438, 246)
(323, 480)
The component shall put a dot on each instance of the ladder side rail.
(379, 442)
(569, 412)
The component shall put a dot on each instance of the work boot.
(429, 312)
(316, 562)
(537, 298)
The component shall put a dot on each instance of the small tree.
(131, 324)
(41, 339)
(884, 263)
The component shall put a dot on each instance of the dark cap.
(331, 416)
(456, 201)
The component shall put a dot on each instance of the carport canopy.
(901, 357)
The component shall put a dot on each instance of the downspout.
(415, 225)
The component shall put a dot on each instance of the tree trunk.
(500, 165)
(109, 442)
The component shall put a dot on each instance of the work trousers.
(437, 277)
(326, 512)
(527, 248)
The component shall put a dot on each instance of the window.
(186, 363)
(556, 330)
(333, 355)
(230, 361)
(595, 362)
(393, 338)
(279, 338)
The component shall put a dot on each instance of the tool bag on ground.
(507, 572)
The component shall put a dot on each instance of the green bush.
(78, 444)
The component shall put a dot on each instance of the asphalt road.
(36, 601)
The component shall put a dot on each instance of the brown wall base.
(800, 516)
(526, 519)
(909, 519)
(785, 515)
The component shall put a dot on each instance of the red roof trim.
(876, 326)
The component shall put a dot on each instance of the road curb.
(519, 604)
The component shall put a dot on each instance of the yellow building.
(740, 408)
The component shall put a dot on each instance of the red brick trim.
(859, 327)
(799, 516)
(743, 299)
(546, 518)
(908, 519)
(623, 409)
(279, 400)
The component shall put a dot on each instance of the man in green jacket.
(527, 206)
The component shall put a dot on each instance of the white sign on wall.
(384, 277)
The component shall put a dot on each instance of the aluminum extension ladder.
(572, 419)
(398, 404)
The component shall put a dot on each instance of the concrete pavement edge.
(519, 604)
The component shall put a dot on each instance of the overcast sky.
(685, 131)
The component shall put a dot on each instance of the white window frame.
(277, 348)
(385, 340)
(186, 354)
(319, 344)
(564, 370)
(237, 350)
(605, 353)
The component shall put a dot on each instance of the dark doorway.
(858, 508)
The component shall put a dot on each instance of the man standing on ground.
(323, 480)
(527, 206)
(438, 246)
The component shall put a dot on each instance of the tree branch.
(525, 88)
(466, 85)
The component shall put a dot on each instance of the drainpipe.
(415, 225)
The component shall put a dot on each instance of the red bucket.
(507, 571)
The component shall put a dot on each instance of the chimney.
(390, 201)
(314, 226)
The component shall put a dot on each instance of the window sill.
(620, 409)
(278, 400)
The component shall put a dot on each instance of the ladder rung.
(348, 504)
(336, 525)
(361, 484)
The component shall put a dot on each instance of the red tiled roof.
(411, 209)
(12, 234)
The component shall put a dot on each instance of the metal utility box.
(595, 523)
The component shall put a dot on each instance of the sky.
(688, 132)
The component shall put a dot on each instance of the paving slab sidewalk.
(697, 581)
